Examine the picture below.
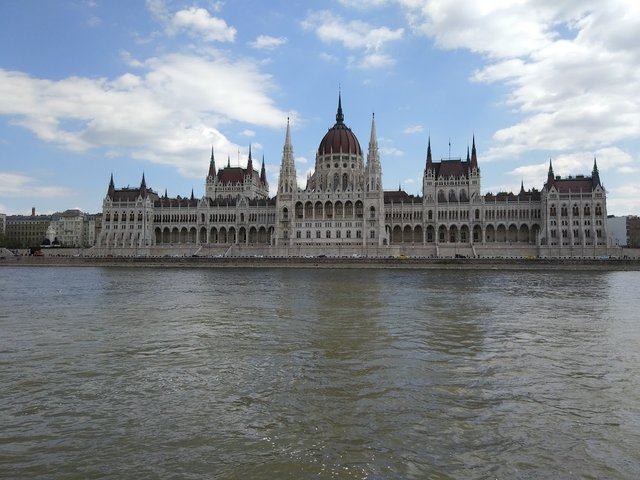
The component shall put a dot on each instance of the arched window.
(477, 214)
(345, 181)
(285, 213)
(372, 212)
(336, 181)
(452, 196)
(358, 209)
(430, 215)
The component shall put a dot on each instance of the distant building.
(71, 228)
(24, 231)
(3, 223)
(343, 210)
(625, 230)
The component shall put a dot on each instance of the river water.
(282, 373)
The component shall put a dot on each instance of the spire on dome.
(339, 114)
(474, 157)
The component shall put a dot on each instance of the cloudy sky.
(94, 87)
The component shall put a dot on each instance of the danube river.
(303, 373)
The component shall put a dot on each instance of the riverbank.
(331, 262)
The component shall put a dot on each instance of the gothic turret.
(374, 171)
(263, 174)
(250, 163)
(550, 175)
(212, 166)
(595, 175)
(288, 182)
(112, 189)
(474, 157)
(143, 187)
(429, 165)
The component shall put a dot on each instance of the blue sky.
(94, 87)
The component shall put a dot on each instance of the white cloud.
(198, 23)
(170, 113)
(413, 129)
(391, 152)
(248, 133)
(571, 67)
(355, 35)
(266, 42)
(609, 159)
(20, 185)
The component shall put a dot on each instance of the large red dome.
(339, 138)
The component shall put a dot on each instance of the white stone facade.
(342, 209)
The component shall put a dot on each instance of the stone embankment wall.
(332, 262)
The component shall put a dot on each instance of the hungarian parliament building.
(344, 211)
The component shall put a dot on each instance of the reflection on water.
(278, 373)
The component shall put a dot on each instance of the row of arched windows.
(329, 210)
(122, 217)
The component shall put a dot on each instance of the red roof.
(235, 175)
(339, 139)
(448, 168)
(573, 185)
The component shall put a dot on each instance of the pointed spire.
(550, 175)
(373, 139)
(474, 157)
(250, 163)
(228, 161)
(468, 157)
(429, 158)
(263, 174)
(166, 195)
(287, 138)
(522, 187)
(192, 196)
(212, 165)
(143, 186)
(339, 114)
(112, 189)
(287, 181)
(595, 174)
